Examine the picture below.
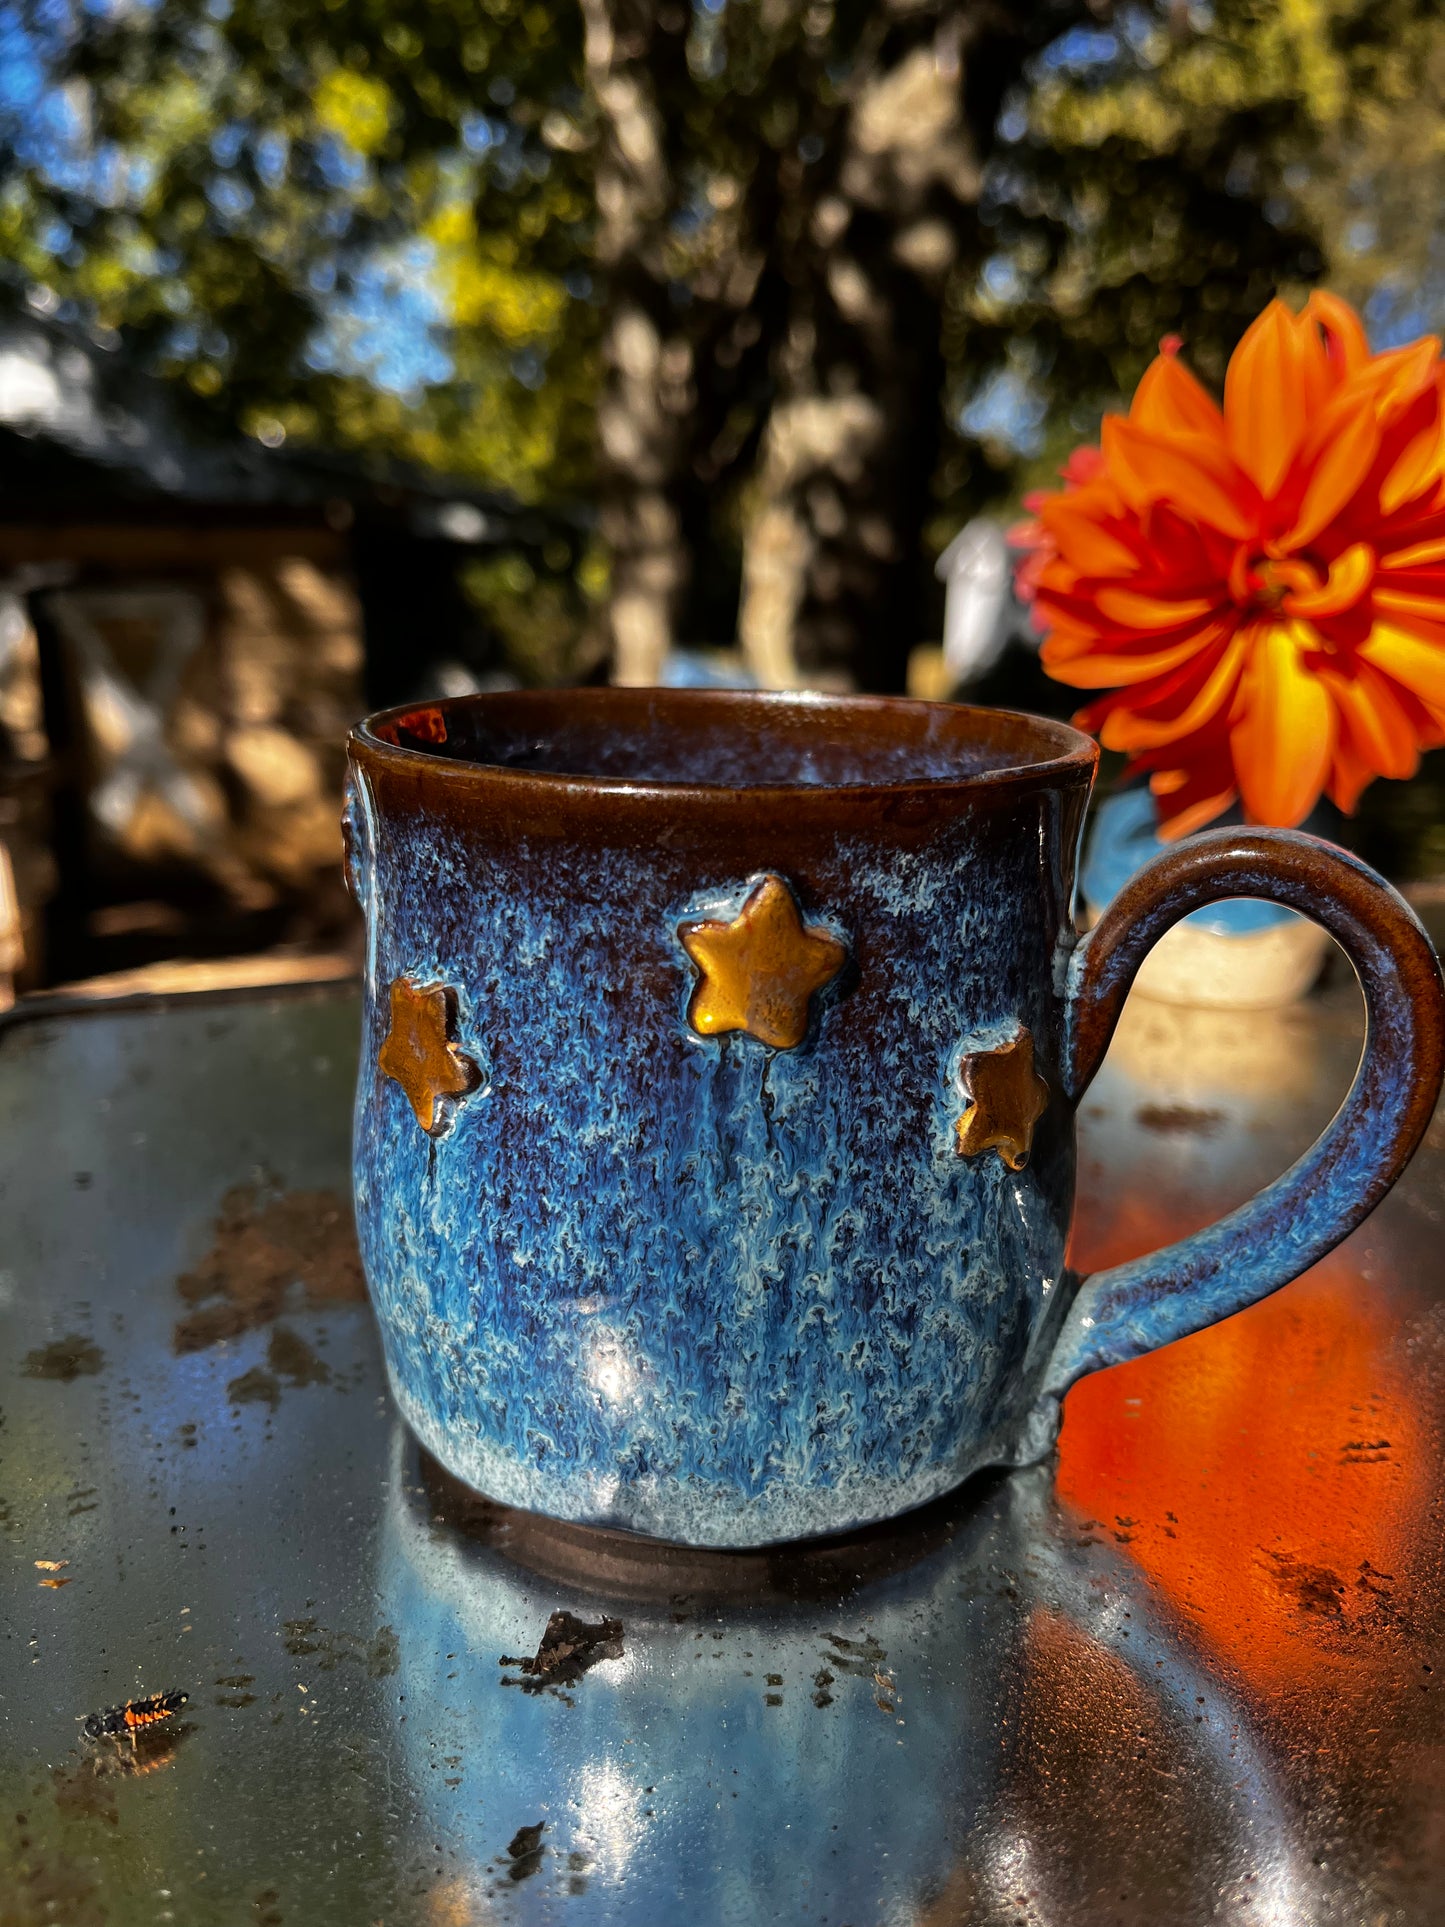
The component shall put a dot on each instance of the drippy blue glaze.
(726, 1294)
(693, 1286)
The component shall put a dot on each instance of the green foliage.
(261, 161)
(253, 165)
(545, 610)
(1212, 166)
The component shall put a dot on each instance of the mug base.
(626, 1565)
(699, 1516)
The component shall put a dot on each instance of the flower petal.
(1182, 704)
(1350, 775)
(1192, 781)
(1346, 443)
(1169, 401)
(1084, 465)
(1193, 473)
(1410, 659)
(1400, 375)
(1416, 555)
(1084, 542)
(1090, 668)
(1284, 738)
(1380, 732)
(1408, 602)
(1345, 342)
(1417, 468)
(1351, 573)
(1138, 611)
(1205, 794)
(1265, 406)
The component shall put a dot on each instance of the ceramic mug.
(715, 1126)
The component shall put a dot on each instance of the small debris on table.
(65, 1359)
(570, 1647)
(525, 1848)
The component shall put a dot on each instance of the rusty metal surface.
(1191, 1672)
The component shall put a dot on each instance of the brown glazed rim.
(1063, 752)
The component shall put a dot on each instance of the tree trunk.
(633, 48)
(776, 258)
(855, 434)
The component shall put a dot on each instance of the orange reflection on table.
(1268, 1475)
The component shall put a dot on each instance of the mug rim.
(1059, 750)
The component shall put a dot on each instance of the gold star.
(759, 972)
(1007, 1099)
(419, 1055)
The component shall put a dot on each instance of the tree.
(259, 201)
(787, 288)
(749, 170)
(1173, 172)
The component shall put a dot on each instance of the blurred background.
(357, 350)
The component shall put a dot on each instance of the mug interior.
(729, 739)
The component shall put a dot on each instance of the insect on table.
(135, 1717)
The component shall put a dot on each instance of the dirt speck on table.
(84, 1792)
(65, 1359)
(569, 1648)
(254, 1388)
(306, 1638)
(291, 1358)
(525, 1850)
(265, 1249)
(1179, 1119)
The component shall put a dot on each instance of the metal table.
(1191, 1672)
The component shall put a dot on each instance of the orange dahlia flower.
(1262, 586)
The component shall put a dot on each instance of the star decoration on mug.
(760, 972)
(419, 1053)
(1007, 1097)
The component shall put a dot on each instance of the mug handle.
(1133, 1308)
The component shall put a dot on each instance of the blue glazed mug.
(715, 1126)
